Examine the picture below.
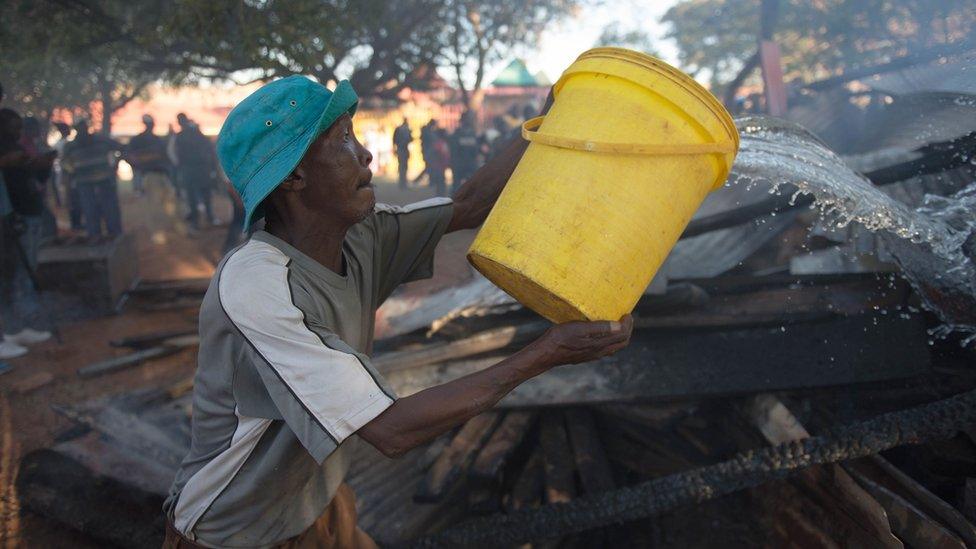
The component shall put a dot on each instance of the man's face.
(337, 174)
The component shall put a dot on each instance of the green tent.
(515, 74)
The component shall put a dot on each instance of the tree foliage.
(818, 39)
(88, 57)
(480, 32)
(76, 53)
(635, 38)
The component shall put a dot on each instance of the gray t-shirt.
(284, 378)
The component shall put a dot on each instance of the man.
(8, 349)
(401, 141)
(34, 142)
(90, 163)
(427, 133)
(197, 167)
(22, 175)
(64, 132)
(284, 378)
(464, 150)
(439, 161)
(146, 152)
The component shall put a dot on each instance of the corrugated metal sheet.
(955, 76)
(914, 120)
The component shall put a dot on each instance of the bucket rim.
(676, 75)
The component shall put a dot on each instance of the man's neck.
(323, 244)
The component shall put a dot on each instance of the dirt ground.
(167, 250)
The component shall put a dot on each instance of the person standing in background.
(464, 150)
(440, 161)
(90, 163)
(197, 168)
(427, 135)
(64, 131)
(22, 173)
(401, 142)
(8, 349)
(146, 152)
(34, 142)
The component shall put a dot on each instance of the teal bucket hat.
(265, 136)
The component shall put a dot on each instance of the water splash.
(929, 244)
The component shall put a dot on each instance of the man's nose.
(365, 157)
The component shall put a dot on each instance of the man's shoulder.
(253, 269)
(391, 209)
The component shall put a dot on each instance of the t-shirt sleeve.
(406, 239)
(323, 389)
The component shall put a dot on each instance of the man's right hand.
(576, 342)
(422, 416)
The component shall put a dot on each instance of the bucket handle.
(530, 134)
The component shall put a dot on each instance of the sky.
(562, 43)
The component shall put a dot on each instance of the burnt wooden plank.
(910, 523)
(592, 463)
(857, 514)
(560, 485)
(502, 444)
(168, 347)
(115, 514)
(780, 305)
(131, 431)
(679, 365)
(527, 490)
(454, 461)
(932, 503)
(152, 339)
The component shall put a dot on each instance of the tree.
(480, 32)
(637, 39)
(715, 38)
(76, 53)
(87, 57)
(376, 45)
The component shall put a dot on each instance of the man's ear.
(295, 180)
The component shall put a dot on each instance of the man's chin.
(370, 207)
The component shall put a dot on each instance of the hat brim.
(278, 167)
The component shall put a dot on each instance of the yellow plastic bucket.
(613, 174)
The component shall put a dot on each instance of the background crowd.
(459, 152)
(78, 174)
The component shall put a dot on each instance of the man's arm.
(421, 417)
(477, 196)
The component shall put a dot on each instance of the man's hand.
(422, 416)
(576, 342)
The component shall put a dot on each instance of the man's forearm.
(477, 195)
(421, 417)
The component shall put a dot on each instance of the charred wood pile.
(757, 410)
